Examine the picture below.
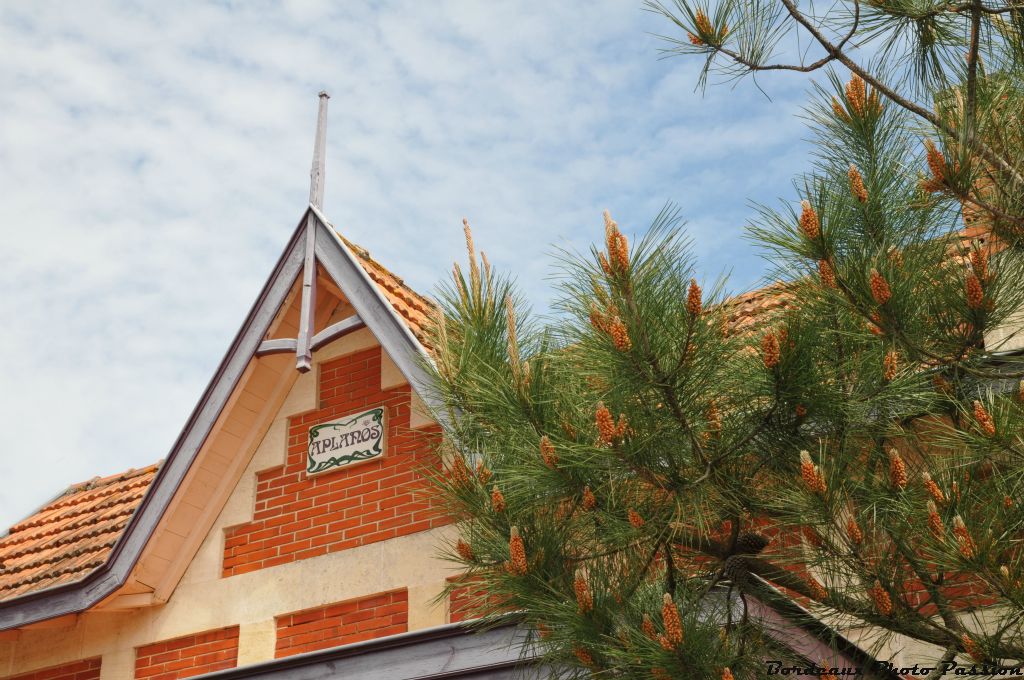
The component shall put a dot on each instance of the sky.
(154, 160)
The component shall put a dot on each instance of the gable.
(123, 563)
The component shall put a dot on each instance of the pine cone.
(751, 543)
(736, 569)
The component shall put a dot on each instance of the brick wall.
(341, 624)
(469, 600)
(86, 669)
(189, 655)
(463, 599)
(297, 517)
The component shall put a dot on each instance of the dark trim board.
(466, 652)
(456, 650)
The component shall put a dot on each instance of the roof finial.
(316, 174)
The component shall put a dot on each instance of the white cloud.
(154, 159)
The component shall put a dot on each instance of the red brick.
(342, 623)
(189, 655)
(85, 669)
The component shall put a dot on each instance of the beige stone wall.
(203, 600)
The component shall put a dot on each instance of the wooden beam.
(303, 353)
(336, 330)
(276, 346)
(324, 282)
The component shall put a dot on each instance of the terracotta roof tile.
(414, 309)
(747, 312)
(70, 536)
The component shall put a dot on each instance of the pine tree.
(955, 68)
(632, 473)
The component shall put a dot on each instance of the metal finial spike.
(316, 173)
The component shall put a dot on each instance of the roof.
(747, 312)
(71, 535)
(414, 309)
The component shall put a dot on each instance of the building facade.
(289, 532)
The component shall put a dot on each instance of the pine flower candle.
(647, 626)
(840, 112)
(932, 488)
(880, 290)
(936, 162)
(853, 531)
(693, 299)
(890, 365)
(619, 334)
(971, 648)
(856, 94)
(459, 473)
(809, 223)
(598, 319)
(584, 598)
(811, 475)
(857, 184)
(897, 470)
(979, 263)
(827, 274)
(547, 452)
(985, 422)
(880, 596)
(584, 656)
(497, 499)
(935, 524)
(963, 537)
(973, 291)
(605, 423)
(517, 554)
(770, 352)
(670, 618)
(482, 473)
(817, 590)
